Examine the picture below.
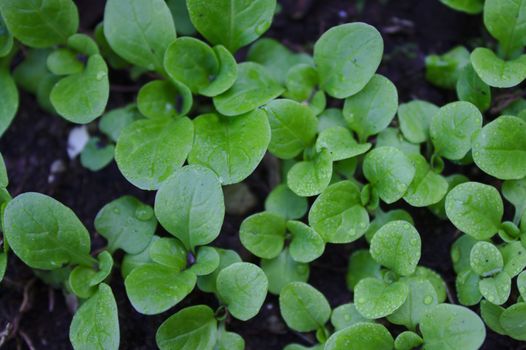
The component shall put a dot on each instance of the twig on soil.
(305, 338)
(27, 340)
(503, 101)
(51, 299)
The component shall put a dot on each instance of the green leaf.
(232, 23)
(64, 62)
(301, 82)
(113, 122)
(231, 147)
(361, 266)
(96, 323)
(338, 215)
(279, 60)
(475, 209)
(225, 76)
(453, 127)
(190, 205)
(389, 171)
(44, 233)
(471, 7)
(149, 151)
(513, 321)
(306, 244)
(282, 201)
(83, 44)
(345, 316)
(420, 300)
(4, 180)
(83, 281)
(381, 218)
(514, 255)
(9, 100)
(242, 287)
(500, 148)
(408, 340)
(82, 97)
(397, 246)
(95, 156)
(439, 208)
(376, 299)
(138, 31)
(230, 341)
(192, 62)
(452, 327)
(485, 259)
(506, 22)
(496, 289)
(154, 288)
(310, 177)
(263, 234)
(415, 118)
(515, 191)
(491, 313)
(521, 284)
(340, 143)
(392, 137)
(467, 286)
(253, 88)
(371, 110)
(40, 24)
(497, 72)
(443, 70)
(303, 307)
(471, 88)
(131, 261)
(293, 127)
(227, 257)
(348, 50)
(169, 252)
(460, 253)
(427, 187)
(127, 224)
(162, 99)
(329, 118)
(282, 270)
(206, 261)
(6, 38)
(370, 336)
(193, 327)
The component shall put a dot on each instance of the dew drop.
(100, 75)
(428, 300)
(144, 213)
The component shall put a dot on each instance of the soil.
(37, 317)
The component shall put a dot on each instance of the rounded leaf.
(453, 127)
(513, 321)
(500, 148)
(282, 201)
(282, 270)
(475, 209)
(306, 244)
(44, 233)
(389, 171)
(376, 299)
(190, 205)
(243, 289)
(373, 108)
(338, 215)
(194, 327)
(303, 307)
(485, 259)
(370, 336)
(347, 57)
(231, 147)
(149, 151)
(127, 224)
(397, 246)
(263, 234)
(163, 99)
(497, 72)
(415, 117)
(452, 327)
(311, 177)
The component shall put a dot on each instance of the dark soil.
(38, 317)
